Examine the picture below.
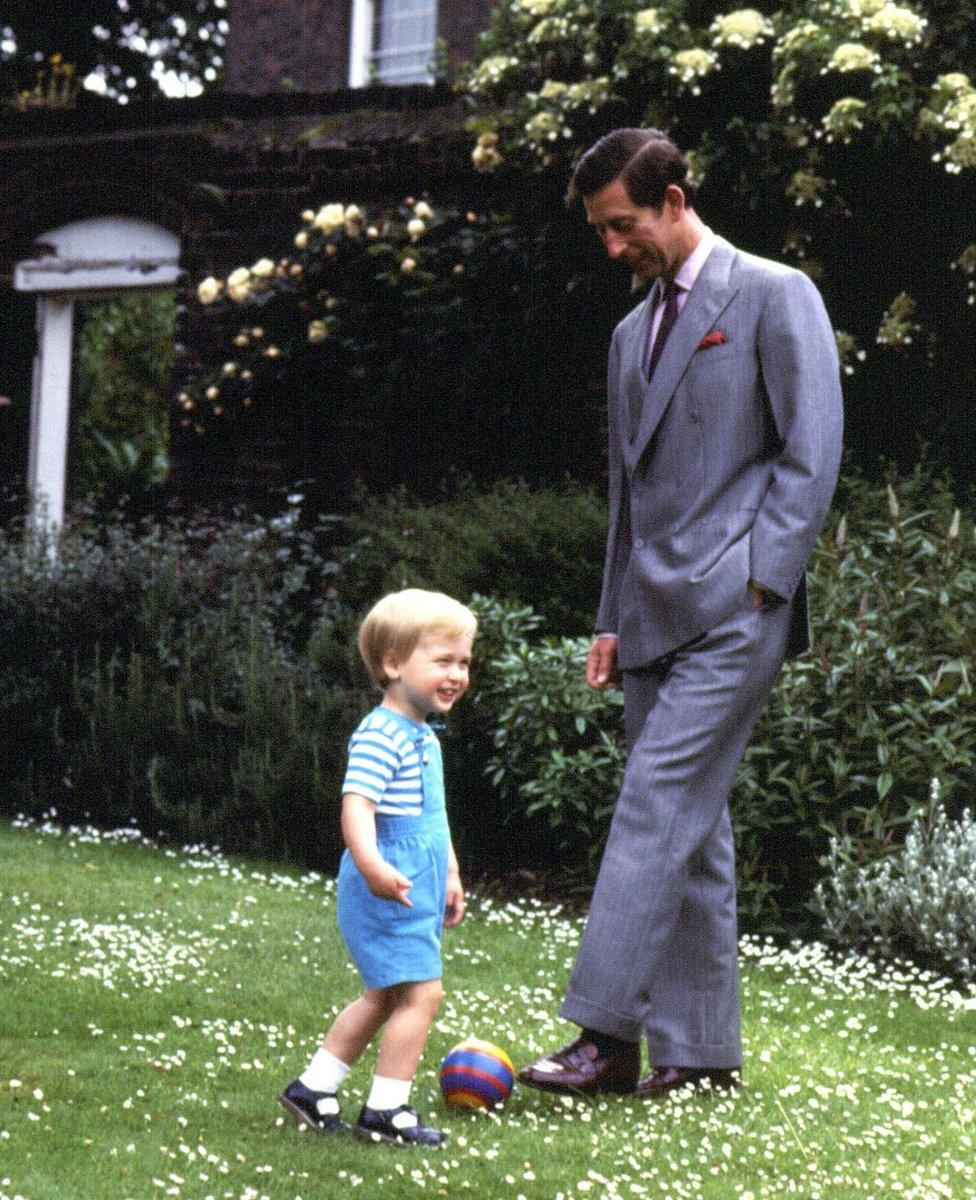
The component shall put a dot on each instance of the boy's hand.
(386, 882)
(454, 905)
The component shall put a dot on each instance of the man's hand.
(385, 881)
(601, 662)
(454, 904)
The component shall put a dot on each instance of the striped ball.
(476, 1074)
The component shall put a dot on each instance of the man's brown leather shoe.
(580, 1068)
(662, 1080)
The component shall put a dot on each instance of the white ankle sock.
(325, 1073)
(388, 1093)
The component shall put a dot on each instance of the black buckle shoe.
(317, 1110)
(400, 1126)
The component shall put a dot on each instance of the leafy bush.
(209, 676)
(235, 743)
(168, 598)
(538, 547)
(125, 358)
(557, 750)
(919, 900)
(882, 702)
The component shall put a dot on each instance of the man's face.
(644, 239)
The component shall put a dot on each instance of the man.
(724, 412)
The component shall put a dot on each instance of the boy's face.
(431, 679)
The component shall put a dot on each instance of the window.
(396, 45)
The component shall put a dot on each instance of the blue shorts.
(388, 942)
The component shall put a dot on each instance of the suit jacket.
(730, 472)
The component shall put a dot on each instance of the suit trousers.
(659, 953)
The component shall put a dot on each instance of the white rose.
(423, 210)
(329, 217)
(263, 268)
(208, 290)
(353, 215)
(239, 284)
(415, 228)
(230, 368)
(301, 239)
(408, 265)
(318, 331)
(308, 216)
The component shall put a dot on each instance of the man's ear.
(674, 200)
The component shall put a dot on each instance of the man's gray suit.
(727, 477)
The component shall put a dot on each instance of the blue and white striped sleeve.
(373, 760)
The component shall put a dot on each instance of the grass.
(153, 1003)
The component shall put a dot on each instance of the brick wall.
(281, 45)
(307, 41)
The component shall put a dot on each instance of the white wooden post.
(361, 42)
(89, 259)
(50, 406)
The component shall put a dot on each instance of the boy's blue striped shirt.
(384, 762)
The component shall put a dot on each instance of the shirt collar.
(690, 269)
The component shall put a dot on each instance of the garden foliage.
(919, 901)
(414, 346)
(206, 681)
(121, 442)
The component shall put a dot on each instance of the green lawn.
(153, 1003)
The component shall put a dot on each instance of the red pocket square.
(714, 338)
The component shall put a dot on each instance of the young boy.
(398, 878)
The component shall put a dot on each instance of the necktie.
(668, 318)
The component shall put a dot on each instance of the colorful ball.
(476, 1074)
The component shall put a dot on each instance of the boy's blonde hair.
(400, 620)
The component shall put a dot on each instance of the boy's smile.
(431, 679)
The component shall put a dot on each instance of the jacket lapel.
(710, 295)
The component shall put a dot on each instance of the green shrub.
(235, 744)
(557, 747)
(163, 596)
(883, 702)
(540, 547)
(125, 358)
(206, 680)
(920, 900)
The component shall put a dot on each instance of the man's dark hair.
(646, 160)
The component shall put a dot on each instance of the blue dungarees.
(388, 942)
